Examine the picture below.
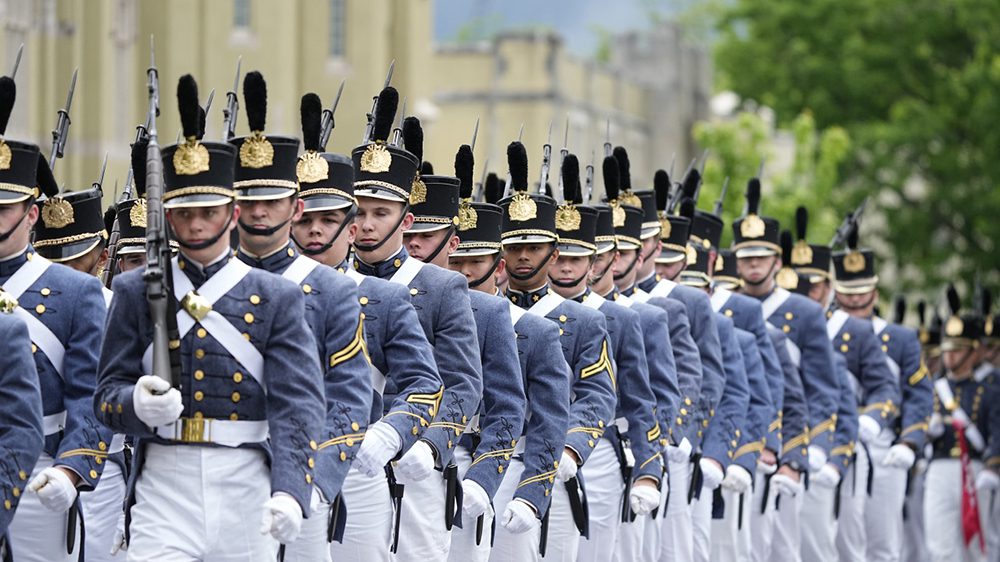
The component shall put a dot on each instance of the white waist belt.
(54, 423)
(220, 432)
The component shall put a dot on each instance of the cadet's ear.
(501, 267)
(554, 257)
(407, 221)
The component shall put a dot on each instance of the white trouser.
(992, 503)
(761, 520)
(701, 525)
(884, 511)
(603, 477)
(730, 539)
(422, 533)
(914, 535)
(201, 503)
(787, 542)
(368, 527)
(508, 547)
(819, 526)
(676, 542)
(102, 508)
(943, 500)
(563, 540)
(852, 537)
(463, 540)
(311, 545)
(37, 534)
(651, 527)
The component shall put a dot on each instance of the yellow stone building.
(651, 91)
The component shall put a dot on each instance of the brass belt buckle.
(196, 305)
(192, 430)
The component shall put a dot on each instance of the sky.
(575, 20)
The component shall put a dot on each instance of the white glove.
(282, 518)
(680, 453)
(737, 479)
(935, 428)
(817, 458)
(475, 500)
(827, 476)
(567, 467)
(118, 542)
(899, 456)
(380, 444)
(785, 485)
(987, 480)
(766, 469)
(868, 429)
(54, 488)
(417, 464)
(519, 517)
(155, 402)
(643, 499)
(711, 474)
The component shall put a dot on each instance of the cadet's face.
(671, 270)
(958, 360)
(522, 259)
(625, 258)
(376, 219)
(91, 263)
(651, 248)
(601, 272)
(755, 270)
(475, 268)
(861, 305)
(422, 244)
(570, 268)
(313, 231)
(128, 262)
(195, 225)
(271, 212)
(819, 292)
(10, 218)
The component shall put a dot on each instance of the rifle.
(563, 152)
(62, 125)
(588, 181)
(17, 62)
(109, 273)
(546, 161)
(675, 198)
(232, 106)
(326, 123)
(371, 114)
(844, 230)
(722, 198)
(701, 175)
(159, 289)
(397, 133)
(608, 150)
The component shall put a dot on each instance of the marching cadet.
(758, 259)
(267, 195)
(875, 392)
(386, 185)
(623, 473)
(893, 451)
(730, 537)
(530, 249)
(63, 310)
(237, 440)
(21, 434)
(674, 536)
(663, 369)
(964, 432)
(395, 344)
(484, 448)
(528, 481)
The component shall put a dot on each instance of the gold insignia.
(802, 254)
(988, 326)
(954, 327)
(705, 243)
(567, 217)
(418, 191)
(665, 227)
(719, 263)
(692, 255)
(925, 336)
(5, 155)
(191, 158)
(631, 199)
(57, 213)
(467, 216)
(787, 279)
(617, 214)
(376, 159)
(312, 167)
(522, 207)
(752, 227)
(256, 151)
(137, 214)
(196, 305)
(7, 302)
(854, 262)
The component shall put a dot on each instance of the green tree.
(913, 83)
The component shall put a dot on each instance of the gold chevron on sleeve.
(919, 375)
(350, 350)
(432, 400)
(603, 364)
(653, 434)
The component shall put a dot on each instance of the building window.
(336, 33)
(241, 14)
